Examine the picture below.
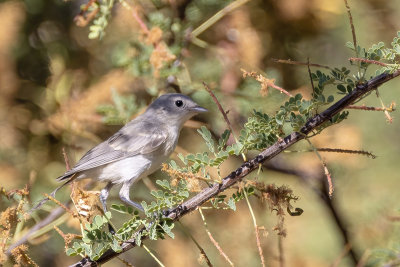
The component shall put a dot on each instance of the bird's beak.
(198, 109)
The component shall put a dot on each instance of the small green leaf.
(231, 204)
(224, 139)
(182, 158)
(115, 246)
(164, 184)
(206, 134)
(108, 215)
(98, 220)
(167, 229)
(138, 239)
(71, 252)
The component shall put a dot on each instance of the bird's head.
(175, 108)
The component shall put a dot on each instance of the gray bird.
(137, 149)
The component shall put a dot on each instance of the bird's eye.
(179, 103)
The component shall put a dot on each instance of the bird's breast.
(131, 168)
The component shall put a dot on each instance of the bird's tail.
(52, 194)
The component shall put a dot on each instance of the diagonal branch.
(251, 165)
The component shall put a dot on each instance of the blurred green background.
(56, 84)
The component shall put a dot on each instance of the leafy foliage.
(218, 153)
(96, 239)
(378, 52)
(385, 256)
(261, 130)
(167, 198)
(97, 30)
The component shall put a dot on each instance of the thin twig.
(202, 252)
(221, 109)
(342, 254)
(326, 170)
(363, 107)
(253, 164)
(153, 256)
(66, 160)
(328, 178)
(353, 33)
(388, 117)
(73, 214)
(217, 16)
(348, 151)
(368, 61)
(265, 83)
(281, 254)
(215, 243)
(224, 114)
(67, 237)
(364, 258)
(140, 21)
(310, 75)
(260, 252)
(336, 150)
(292, 62)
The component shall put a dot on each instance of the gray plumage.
(137, 149)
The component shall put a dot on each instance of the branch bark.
(252, 164)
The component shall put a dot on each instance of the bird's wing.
(140, 138)
(131, 140)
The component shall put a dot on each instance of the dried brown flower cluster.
(192, 179)
(265, 83)
(8, 221)
(278, 199)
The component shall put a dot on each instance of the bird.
(138, 149)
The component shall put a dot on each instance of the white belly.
(130, 169)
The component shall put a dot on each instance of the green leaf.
(116, 207)
(231, 204)
(108, 215)
(167, 227)
(138, 239)
(182, 158)
(71, 252)
(98, 220)
(224, 139)
(116, 246)
(206, 134)
(191, 158)
(164, 184)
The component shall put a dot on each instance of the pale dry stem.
(260, 252)
(265, 83)
(215, 243)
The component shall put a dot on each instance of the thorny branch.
(251, 165)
